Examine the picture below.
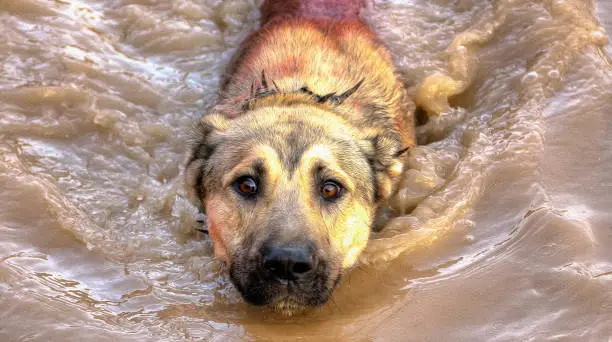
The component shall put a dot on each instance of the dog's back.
(337, 10)
(324, 46)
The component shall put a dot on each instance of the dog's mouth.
(293, 300)
(289, 306)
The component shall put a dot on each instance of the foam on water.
(504, 201)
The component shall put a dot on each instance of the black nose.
(288, 262)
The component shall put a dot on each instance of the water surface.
(502, 230)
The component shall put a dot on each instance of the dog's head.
(290, 190)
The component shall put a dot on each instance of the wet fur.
(312, 95)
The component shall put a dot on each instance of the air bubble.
(530, 77)
(599, 38)
(554, 73)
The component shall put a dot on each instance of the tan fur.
(271, 121)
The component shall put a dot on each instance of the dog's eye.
(246, 186)
(330, 190)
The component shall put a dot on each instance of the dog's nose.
(288, 262)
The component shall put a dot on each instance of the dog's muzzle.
(293, 272)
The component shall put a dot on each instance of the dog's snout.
(288, 262)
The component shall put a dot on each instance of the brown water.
(511, 233)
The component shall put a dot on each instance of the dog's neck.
(264, 90)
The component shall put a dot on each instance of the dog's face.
(290, 193)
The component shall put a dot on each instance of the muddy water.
(505, 220)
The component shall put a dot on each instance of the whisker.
(361, 268)
(276, 86)
(264, 82)
(340, 98)
(333, 301)
(402, 151)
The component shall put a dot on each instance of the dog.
(308, 140)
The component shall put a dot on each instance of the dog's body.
(307, 141)
(325, 46)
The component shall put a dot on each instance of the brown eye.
(246, 186)
(330, 190)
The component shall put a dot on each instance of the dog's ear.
(200, 149)
(386, 157)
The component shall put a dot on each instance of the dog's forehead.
(310, 119)
(288, 155)
(290, 139)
